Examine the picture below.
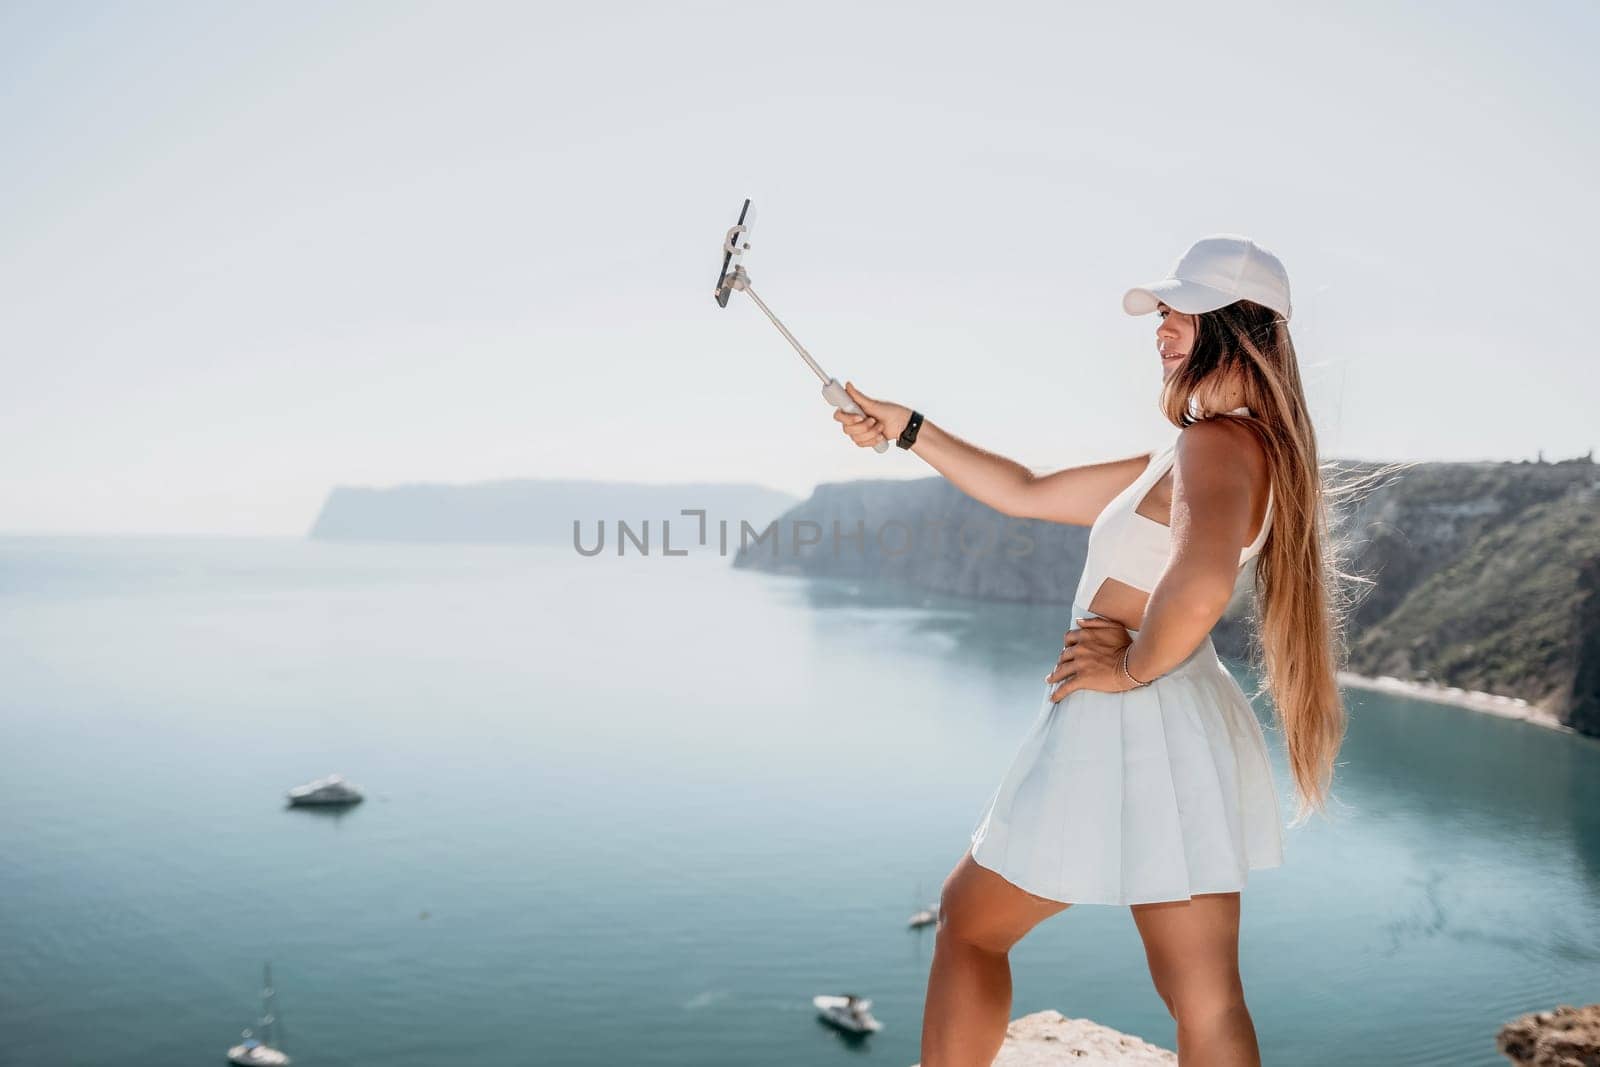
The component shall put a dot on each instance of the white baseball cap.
(1216, 271)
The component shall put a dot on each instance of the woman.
(1144, 780)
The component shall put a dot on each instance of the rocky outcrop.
(1050, 1039)
(1565, 1037)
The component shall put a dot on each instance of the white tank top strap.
(1266, 528)
(1266, 519)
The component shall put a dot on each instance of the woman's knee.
(1192, 950)
(961, 919)
(1200, 994)
(1204, 1010)
(980, 909)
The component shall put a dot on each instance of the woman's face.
(1174, 339)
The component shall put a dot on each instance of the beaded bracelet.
(1126, 650)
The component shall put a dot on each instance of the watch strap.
(908, 436)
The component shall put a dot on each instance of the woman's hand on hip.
(1091, 658)
(882, 421)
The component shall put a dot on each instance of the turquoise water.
(641, 810)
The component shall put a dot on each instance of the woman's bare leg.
(1193, 950)
(981, 915)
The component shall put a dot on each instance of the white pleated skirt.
(1150, 795)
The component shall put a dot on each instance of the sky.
(249, 252)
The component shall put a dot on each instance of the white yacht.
(259, 1048)
(848, 1012)
(332, 790)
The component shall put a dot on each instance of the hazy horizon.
(254, 254)
(657, 513)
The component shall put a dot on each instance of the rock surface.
(1050, 1039)
(1565, 1037)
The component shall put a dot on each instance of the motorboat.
(259, 1047)
(331, 791)
(848, 1012)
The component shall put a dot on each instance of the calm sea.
(639, 811)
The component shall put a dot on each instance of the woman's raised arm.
(1074, 496)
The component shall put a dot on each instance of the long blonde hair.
(1304, 595)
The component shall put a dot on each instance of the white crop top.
(1135, 548)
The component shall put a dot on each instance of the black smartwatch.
(908, 436)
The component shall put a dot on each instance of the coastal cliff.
(1484, 576)
(924, 533)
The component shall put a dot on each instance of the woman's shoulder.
(1222, 444)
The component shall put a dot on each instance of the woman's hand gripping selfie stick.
(734, 278)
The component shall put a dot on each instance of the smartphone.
(733, 248)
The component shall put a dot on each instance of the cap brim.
(1190, 298)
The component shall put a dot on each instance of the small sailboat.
(848, 1012)
(260, 1046)
(332, 791)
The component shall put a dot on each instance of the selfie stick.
(733, 248)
